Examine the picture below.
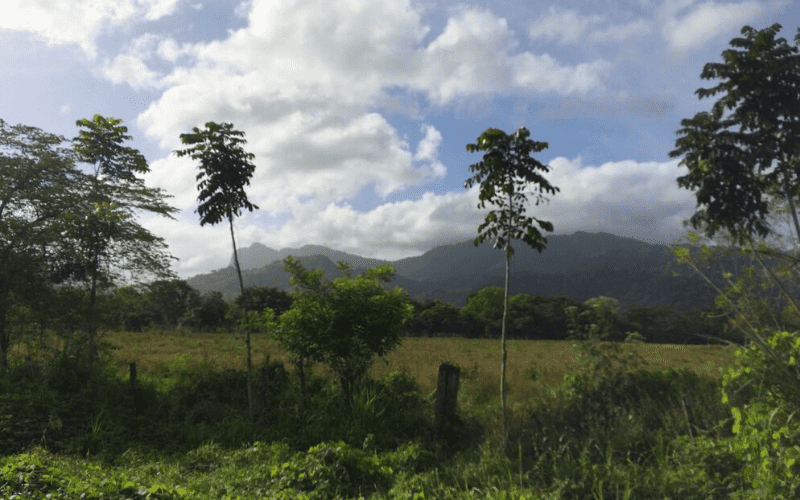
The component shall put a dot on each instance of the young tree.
(225, 169)
(344, 323)
(108, 244)
(506, 171)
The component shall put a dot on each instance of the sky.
(358, 112)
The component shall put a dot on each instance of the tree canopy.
(747, 146)
(38, 181)
(59, 224)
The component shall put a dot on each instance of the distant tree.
(257, 298)
(225, 169)
(548, 315)
(504, 174)
(206, 312)
(344, 323)
(443, 318)
(169, 301)
(486, 307)
(108, 245)
(37, 184)
(124, 308)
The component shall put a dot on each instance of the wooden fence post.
(133, 375)
(134, 387)
(446, 397)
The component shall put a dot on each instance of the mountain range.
(581, 265)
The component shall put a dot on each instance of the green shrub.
(330, 470)
(624, 413)
(764, 393)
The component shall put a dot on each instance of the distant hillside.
(257, 256)
(581, 266)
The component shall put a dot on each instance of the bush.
(330, 470)
(624, 414)
(764, 393)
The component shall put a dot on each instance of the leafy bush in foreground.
(764, 392)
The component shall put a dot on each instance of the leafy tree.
(486, 308)
(740, 163)
(225, 169)
(736, 159)
(206, 311)
(108, 245)
(443, 318)
(541, 317)
(125, 308)
(344, 323)
(742, 159)
(37, 179)
(504, 174)
(257, 298)
(592, 328)
(170, 301)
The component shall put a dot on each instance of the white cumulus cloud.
(686, 26)
(78, 21)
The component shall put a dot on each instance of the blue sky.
(359, 111)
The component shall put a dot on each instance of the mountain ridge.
(581, 265)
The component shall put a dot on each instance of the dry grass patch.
(534, 365)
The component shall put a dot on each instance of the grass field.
(648, 436)
(533, 365)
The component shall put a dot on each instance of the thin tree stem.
(791, 205)
(236, 257)
(505, 353)
(247, 330)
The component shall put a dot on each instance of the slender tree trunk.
(5, 339)
(504, 350)
(791, 205)
(247, 330)
(301, 372)
(93, 309)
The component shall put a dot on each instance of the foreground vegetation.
(185, 431)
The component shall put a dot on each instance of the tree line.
(168, 305)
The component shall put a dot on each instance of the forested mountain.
(581, 265)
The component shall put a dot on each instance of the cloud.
(131, 70)
(427, 150)
(131, 66)
(79, 21)
(569, 27)
(619, 33)
(638, 199)
(473, 55)
(706, 21)
(542, 73)
(304, 92)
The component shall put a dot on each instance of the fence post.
(446, 397)
(133, 375)
(134, 388)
